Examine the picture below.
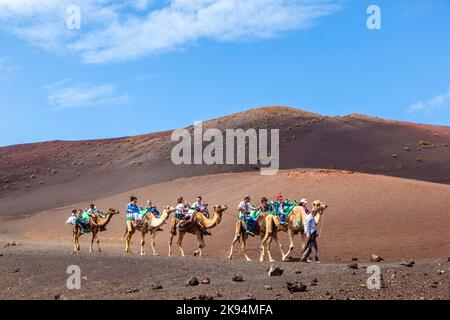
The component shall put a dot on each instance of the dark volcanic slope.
(46, 175)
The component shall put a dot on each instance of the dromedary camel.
(199, 224)
(95, 224)
(294, 225)
(260, 229)
(150, 225)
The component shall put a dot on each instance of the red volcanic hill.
(40, 176)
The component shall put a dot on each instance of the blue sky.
(141, 66)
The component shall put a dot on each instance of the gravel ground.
(37, 270)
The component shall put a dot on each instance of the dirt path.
(37, 270)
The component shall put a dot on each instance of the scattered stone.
(434, 285)
(206, 281)
(192, 282)
(275, 271)
(448, 258)
(353, 266)
(354, 259)
(237, 278)
(205, 297)
(249, 297)
(376, 258)
(132, 290)
(60, 296)
(1, 254)
(11, 244)
(408, 264)
(218, 294)
(296, 287)
(298, 272)
(156, 287)
(353, 273)
(16, 271)
(268, 288)
(314, 280)
(440, 272)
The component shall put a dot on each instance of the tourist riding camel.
(150, 224)
(85, 223)
(294, 224)
(199, 224)
(241, 233)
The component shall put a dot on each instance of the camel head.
(113, 211)
(169, 210)
(220, 208)
(319, 207)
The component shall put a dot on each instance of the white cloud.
(7, 69)
(438, 103)
(131, 29)
(63, 95)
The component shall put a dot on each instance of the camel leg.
(74, 238)
(235, 239)
(170, 244)
(200, 244)
(142, 243)
(98, 243)
(77, 238)
(268, 244)
(302, 240)
(243, 244)
(180, 243)
(274, 237)
(262, 252)
(279, 244)
(129, 235)
(153, 246)
(291, 245)
(92, 241)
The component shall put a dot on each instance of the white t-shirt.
(180, 208)
(246, 207)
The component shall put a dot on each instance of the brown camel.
(150, 225)
(95, 224)
(260, 229)
(294, 225)
(199, 224)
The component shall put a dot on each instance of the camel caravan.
(265, 221)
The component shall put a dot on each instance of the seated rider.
(206, 210)
(181, 212)
(152, 209)
(92, 212)
(199, 205)
(279, 207)
(264, 206)
(84, 225)
(131, 212)
(244, 209)
(303, 203)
